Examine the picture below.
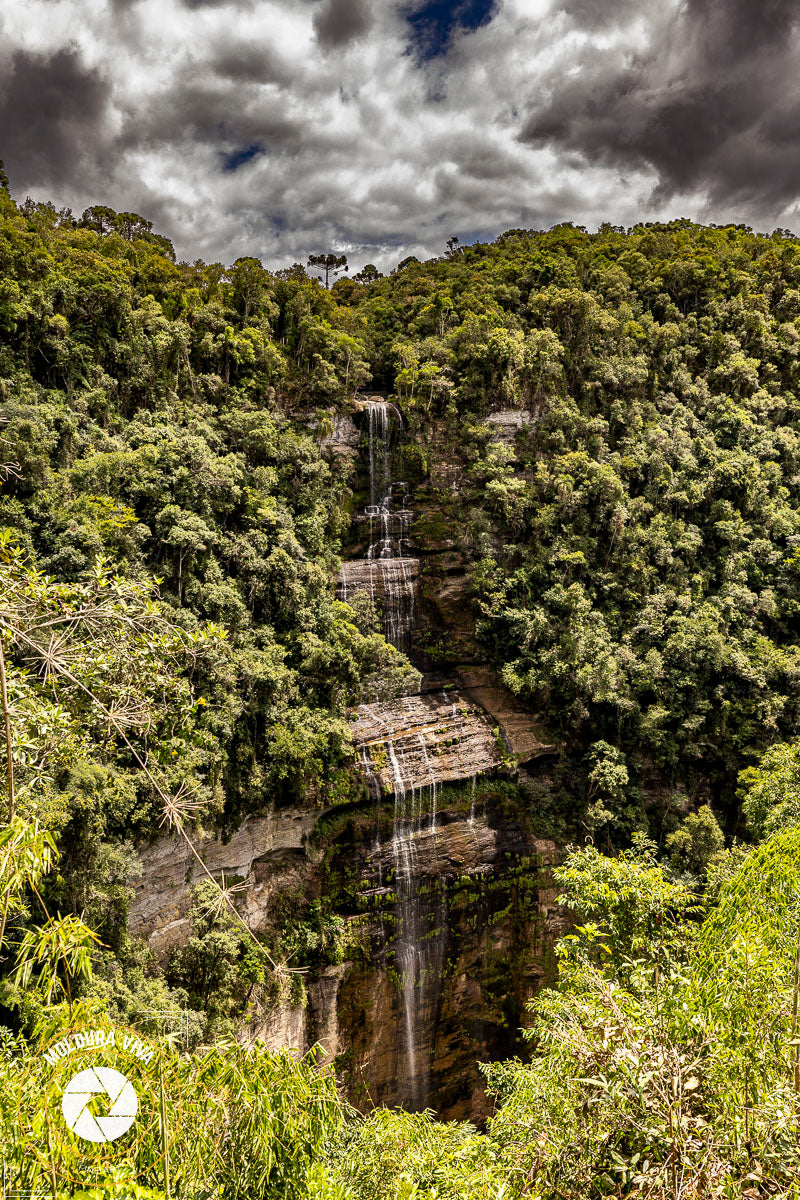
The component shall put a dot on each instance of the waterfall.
(431, 777)
(389, 574)
(399, 601)
(408, 746)
(407, 951)
(387, 571)
(379, 450)
(422, 928)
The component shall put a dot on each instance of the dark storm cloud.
(709, 105)
(52, 116)
(272, 127)
(740, 27)
(337, 22)
(246, 63)
(221, 117)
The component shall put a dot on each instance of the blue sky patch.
(237, 158)
(433, 25)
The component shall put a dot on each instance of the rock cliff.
(434, 866)
(485, 904)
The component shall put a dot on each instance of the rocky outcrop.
(323, 1005)
(486, 912)
(483, 906)
(281, 1027)
(392, 584)
(343, 438)
(267, 852)
(455, 844)
(378, 576)
(299, 1026)
(506, 423)
(423, 741)
(526, 737)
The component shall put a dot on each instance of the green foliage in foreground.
(239, 1122)
(412, 1156)
(665, 1063)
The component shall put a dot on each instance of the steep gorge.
(438, 871)
(580, 530)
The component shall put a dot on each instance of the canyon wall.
(435, 867)
(480, 906)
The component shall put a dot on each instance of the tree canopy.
(603, 427)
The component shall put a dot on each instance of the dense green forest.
(174, 658)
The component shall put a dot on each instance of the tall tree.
(329, 264)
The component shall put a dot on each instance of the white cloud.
(359, 147)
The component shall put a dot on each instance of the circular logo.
(97, 1101)
(99, 1104)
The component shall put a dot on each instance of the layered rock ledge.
(422, 741)
(381, 577)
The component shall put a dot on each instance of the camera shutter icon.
(93, 1090)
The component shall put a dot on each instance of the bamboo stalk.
(7, 721)
(51, 1166)
(795, 995)
(164, 1139)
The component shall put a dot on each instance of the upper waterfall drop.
(437, 736)
(387, 571)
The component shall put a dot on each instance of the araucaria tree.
(329, 264)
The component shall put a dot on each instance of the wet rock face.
(392, 584)
(479, 901)
(423, 741)
(376, 576)
(449, 846)
(455, 903)
(482, 905)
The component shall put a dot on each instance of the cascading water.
(420, 849)
(389, 573)
(422, 930)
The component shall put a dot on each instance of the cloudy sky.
(381, 127)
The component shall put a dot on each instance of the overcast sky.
(379, 128)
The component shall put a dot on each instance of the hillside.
(335, 618)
